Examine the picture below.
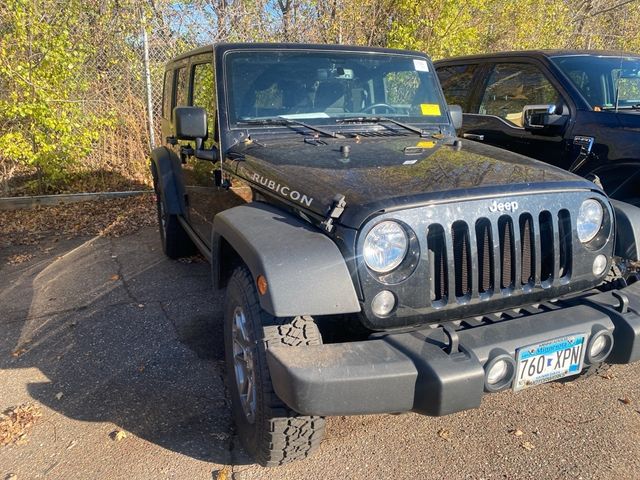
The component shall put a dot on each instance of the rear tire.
(175, 241)
(271, 432)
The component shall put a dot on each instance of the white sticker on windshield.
(420, 65)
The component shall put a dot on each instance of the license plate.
(549, 361)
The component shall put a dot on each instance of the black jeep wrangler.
(579, 110)
(328, 189)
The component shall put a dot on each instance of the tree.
(43, 122)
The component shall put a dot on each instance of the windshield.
(604, 79)
(321, 87)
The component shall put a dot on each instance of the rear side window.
(181, 87)
(511, 86)
(204, 95)
(166, 93)
(456, 82)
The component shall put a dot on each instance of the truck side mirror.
(456, 116)
(541, 117)
(190, 123)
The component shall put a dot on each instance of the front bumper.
(425, 372)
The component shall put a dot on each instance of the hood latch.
(338, 206)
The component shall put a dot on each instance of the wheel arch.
(305, 271)
(620, 179)
(167, 176)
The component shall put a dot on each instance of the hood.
(380, 174)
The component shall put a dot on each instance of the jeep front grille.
(518, 251)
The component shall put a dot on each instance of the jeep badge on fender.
(465, 271)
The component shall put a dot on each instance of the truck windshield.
(605, 82)
(320, 87)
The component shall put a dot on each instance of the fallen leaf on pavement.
(517, 432)
(16, 422)
(59, 395)
(19, 258)
(114, 277)
(444, 433)
(624, 401)
(118, 435)
(18, 352)
(224, 474)
(527, 446)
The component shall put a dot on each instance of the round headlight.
(385, 246)
(589, 220)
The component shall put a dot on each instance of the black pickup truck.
(373, 261)
(579, 110)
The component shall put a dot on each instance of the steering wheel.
(386, 106)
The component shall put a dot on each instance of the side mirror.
(456, 116)
(540, 117)
(190, 123)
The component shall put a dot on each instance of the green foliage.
(44, 121)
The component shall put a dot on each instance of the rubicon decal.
(282, 190)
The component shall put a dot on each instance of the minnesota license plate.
(550, 360)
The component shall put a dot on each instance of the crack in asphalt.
(119, 272)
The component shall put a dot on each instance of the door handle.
(473, 136)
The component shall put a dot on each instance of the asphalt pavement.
(106, 335)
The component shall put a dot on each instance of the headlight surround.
(590, 219)
(385, 246)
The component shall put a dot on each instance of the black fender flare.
(167, 175)
(305, 271)
(627, 230)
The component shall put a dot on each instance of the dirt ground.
(115, 354)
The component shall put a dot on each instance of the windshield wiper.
(289, 123)
(411, 128)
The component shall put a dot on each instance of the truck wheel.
(271, 432)
(175, 241)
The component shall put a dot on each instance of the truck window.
(166, 93)
(511, 86)
(203, 94)
(456, 83)
(180, 87)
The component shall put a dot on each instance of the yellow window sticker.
(430, 109)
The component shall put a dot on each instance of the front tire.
(271, 432)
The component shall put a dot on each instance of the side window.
(203, 94)
(456, 83)
(511, 86)
(180, 87)
(166, 93)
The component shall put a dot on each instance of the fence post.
(147, 76)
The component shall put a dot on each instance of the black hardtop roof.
(221, 47)
(540, 54)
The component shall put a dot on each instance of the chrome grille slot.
(547, 245)
(462, 259)
(438, 263)
(564, 235)
(484, 247)
(507, 252)
(527, 250)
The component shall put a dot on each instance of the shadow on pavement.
(126, 336)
